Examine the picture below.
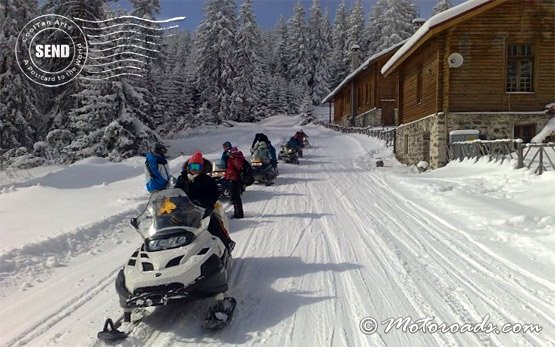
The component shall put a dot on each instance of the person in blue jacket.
(225, 155)
(273, 155)
(157, 172)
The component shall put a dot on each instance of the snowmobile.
(263, 172)
(178, 259)
(288, 154)
(218, 174)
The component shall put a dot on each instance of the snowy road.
(335, 240)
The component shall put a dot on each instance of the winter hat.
(227, 144)
(196, 158)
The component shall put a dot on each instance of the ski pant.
(216, 228)
(235, 194)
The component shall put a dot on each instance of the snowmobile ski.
(220, 315)
(120, 329)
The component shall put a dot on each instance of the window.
(367, 93)
(406, 144)
(520, 64)
(525, 132)
(419, 84)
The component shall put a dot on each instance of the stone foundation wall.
(372, 118)
(427, 138)
(422, 140)
(493, 126)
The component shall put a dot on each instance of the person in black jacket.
(203, 191)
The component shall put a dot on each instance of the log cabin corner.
(482, 65)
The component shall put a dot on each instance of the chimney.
(355, 57)
(417, 23)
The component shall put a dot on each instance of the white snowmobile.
(179, 259)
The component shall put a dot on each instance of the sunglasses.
(195, 167)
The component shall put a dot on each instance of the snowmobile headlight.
(257, 163)
(290, 151)
(170, 242)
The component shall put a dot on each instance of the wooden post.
(520, 157)
(541, 160)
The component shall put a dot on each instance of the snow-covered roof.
(430, 24)
(362, 67)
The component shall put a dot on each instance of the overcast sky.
(267, 11)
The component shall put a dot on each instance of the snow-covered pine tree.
(441, 6)
(145, 87)
(19, 117)
(109, 120)
(355, 29)
(340, 61)
(390, 23)
(297, 50)
(280, 59)
(216, 45)
(145, 8)
(249, 74)
(58, 102)
(174, 103)
(277, 95)
(318, 54)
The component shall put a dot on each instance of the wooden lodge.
(365, 97)
(485, 65)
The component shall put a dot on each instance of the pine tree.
(390, 23)
(216, 44)
(340, 62)
(297, 72)
(145, 87)
(281, 58)
(145, 8)
(318, 54)
(441, 6)
(246, 85)
(355, 29)
(112, 117)
(19, 116)
(297, 47)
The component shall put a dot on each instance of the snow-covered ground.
(334, 241)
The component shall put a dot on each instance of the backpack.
(247, 175)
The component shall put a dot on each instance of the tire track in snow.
(495, 303)
(412, 272)
(64, 312)
(393, 265)
(507, 275)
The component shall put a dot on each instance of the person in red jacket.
(233, 175)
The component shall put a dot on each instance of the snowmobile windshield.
(172, 208)
(218, 166)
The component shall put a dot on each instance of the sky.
(267, 11)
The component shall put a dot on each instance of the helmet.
(160, 149)
(227, 145)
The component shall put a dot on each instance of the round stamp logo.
(51, 50)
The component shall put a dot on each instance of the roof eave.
(441, 27)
